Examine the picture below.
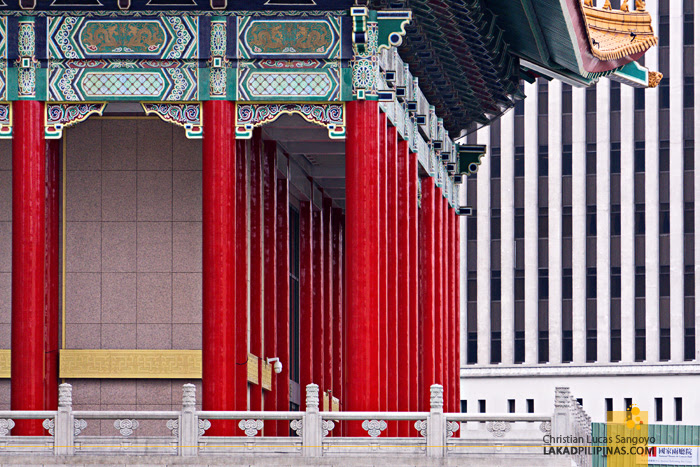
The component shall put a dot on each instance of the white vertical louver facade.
(581, 261)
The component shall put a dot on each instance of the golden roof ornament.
(615, 34)
(655, 78)
(639, 5)
(588, 2)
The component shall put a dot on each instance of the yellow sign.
(627, 443)
(109, 363)
(253, 369)
(266, 372)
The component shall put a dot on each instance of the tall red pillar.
(257, 234)
(362, 258)
(406, 371)
(306, 302)
(414, 308)
(445, 348)
(338, 305)
(28, 242)
(282, 379)
(452, 311)
(344, 315)
(328, 286)
(447, 288)
(392, 388)
(51, 318)
(241, 232)
(456, 317)
(218, 263)
(270, 268)
(438, 296)
(427, 344)
(318, 299)
(384, 238)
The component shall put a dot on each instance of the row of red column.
(225, 205)
(242, 214)
(439, 326)
(268, 208)
(377, 345)
(321, 233)
(405, 337)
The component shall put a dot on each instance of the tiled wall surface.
(133, 253)
(133, 236)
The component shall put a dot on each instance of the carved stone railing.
(312, 433)
(570, 420)
(516, 434)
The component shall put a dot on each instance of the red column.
(406, 371)
(427, 344)
(393, 272)
(256, 260)
(328, 294)
(452, 310)
(362, 258)
(319, 329)
(28, 242)
(241, 275)
(438, 254)
(456, 317)
(338, 305)
(53, 164)
(414, 308)
(383, 268)
(218, 263)
(282, 379)
(306, 287)
(270, 267)
(446, 259)
(445, 301)
(447, 328)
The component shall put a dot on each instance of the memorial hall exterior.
(257, 196)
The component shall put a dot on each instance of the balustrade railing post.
(64, 425)
(562, 412)
(436, 424)
(313, 426)
(188, 425)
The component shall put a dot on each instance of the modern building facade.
(581, 254)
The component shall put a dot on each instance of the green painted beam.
(469, 158)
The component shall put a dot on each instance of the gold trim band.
(146, 364)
